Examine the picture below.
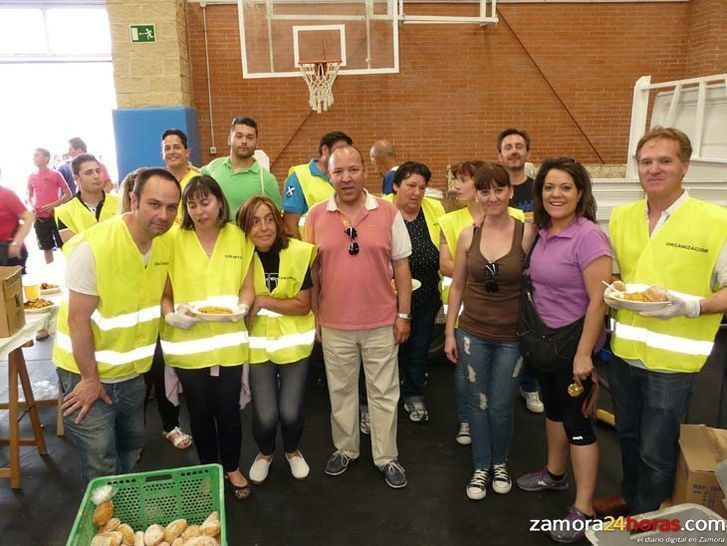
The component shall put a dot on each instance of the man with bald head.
(361, 240)
(383, 156)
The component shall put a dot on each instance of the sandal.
(240, 492)
(178, 438)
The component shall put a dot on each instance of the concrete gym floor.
(356, 508)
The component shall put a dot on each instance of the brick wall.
(707, 51)
(460, 85)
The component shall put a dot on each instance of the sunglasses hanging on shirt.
(491, 270)
(353, 235)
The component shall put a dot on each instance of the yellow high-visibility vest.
(452, 225)
(315, 189)
(433, 211)
(216, 280)
(279, 338)
(125, 324)
(681, 257)
(78, 218)
(191, 173)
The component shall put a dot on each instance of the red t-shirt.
(10, 210)
(45, 187)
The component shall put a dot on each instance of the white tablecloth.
(33, 323)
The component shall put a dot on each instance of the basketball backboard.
(278, 36)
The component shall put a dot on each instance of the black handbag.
(545, 349)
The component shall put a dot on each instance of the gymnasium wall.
(460, 85)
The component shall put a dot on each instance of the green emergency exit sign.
(142, 34)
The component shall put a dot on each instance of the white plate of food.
(215, 313)
(47, 288)
(38, 306)
(652, 298)
(415, 283)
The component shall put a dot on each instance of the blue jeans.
(529, 379)
(493, 370)
(413, 353)
(649, 408)
(110, 437)
(277, 397)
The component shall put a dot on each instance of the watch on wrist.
(404, 316)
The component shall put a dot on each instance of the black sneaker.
(477, 486)
(501, 481)
(337, 463)
(394, 474)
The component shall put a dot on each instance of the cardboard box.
(701, 449)
(12, 314)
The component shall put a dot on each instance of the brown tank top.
(491, 297)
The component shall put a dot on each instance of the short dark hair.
(466, 168)
(78, 144)
(491, 175)
(329, 139)
(586, 206)
(241, 120)
(204, 185)
(405, 170)
(246, 217)
(79, 160)
(44, 152)
(512, 131)
(177, 132)
(143, 176)
(667, 133)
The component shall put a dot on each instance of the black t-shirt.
(271, 265)
(522, 197)
(423, 262)
(96, 212)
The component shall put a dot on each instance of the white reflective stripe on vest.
(268, 313)
(283, 342)
(127, 320)
(446, 281)
(112, 358)
(301, 221)
(205, 344)
(675, 344)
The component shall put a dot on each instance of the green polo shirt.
(238, 186)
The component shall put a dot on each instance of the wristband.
(404, 316)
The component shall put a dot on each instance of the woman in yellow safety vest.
(421, 215)
(210, 267)
(282, 332)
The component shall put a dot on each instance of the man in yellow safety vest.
(679, 243)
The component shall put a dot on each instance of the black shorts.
(46, 231)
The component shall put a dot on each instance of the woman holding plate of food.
(208, 292)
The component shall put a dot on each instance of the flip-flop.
(178, 438)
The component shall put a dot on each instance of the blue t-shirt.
(387, 183)
(293, 198)
(67, 174)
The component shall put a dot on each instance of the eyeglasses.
(491, 270)
(353, 247)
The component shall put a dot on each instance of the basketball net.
(319, 78)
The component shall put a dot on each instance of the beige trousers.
(343, 350)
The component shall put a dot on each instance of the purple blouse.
(556, 270)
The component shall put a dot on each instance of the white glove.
(240, 310)
(677, 307)
(611, 301)
(180, 318)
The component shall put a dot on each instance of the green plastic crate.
(159, 496)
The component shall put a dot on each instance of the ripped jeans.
(492, 370)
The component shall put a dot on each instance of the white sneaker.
(463, 434)
(298, 467)
(533, 401)
(501, 481)
(259, 469)
(477, 487)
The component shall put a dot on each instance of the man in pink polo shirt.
(362, 242)
(46, 190)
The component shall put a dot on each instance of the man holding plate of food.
(672, 256)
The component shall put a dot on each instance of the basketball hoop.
(319, 77)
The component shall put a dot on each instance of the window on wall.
(54, 33)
